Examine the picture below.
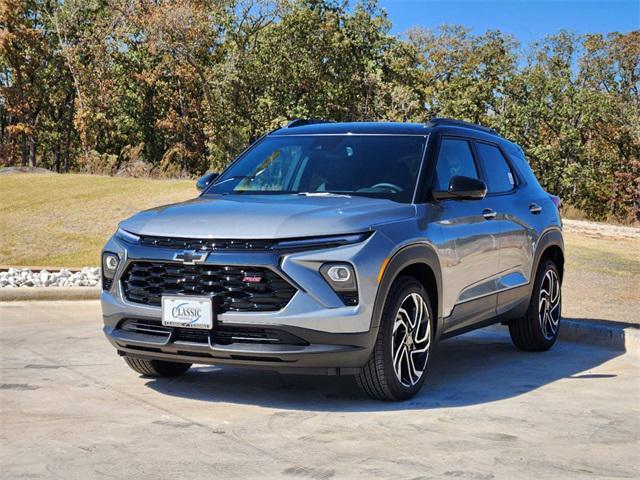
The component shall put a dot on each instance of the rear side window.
(500, 178)
(454, 158)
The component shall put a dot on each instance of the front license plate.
(187, 312)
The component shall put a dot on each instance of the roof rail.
(300, 122)
(439, 121)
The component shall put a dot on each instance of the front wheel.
(398, 364)
(538, 330)
(156, 368)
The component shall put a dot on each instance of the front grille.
(227, 336)
(219, 335)
(234, 288)
(146, 327)
(204, 244)
(192, 335)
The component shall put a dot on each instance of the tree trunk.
(69, 128)
(32, 153)
(56, 157)
(25, 151)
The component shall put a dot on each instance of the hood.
(266, 216)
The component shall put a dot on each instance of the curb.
(614, 335)
(49, 293)
(602, 333)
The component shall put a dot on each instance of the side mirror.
(463, 188)
(204, 181)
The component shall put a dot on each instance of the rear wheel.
(156, 368)
(397, 366)
(538, 329)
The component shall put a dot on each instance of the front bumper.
(334, 338)
(312, 352)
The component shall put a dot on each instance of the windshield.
(376, 166)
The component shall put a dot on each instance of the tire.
(538, 330)
(156, 368)
(409, 335)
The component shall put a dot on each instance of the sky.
(527, 20)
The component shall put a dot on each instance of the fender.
(414, 254)
(551, 236)
(507, 308)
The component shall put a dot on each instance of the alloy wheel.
(549, 304)
(411, 339)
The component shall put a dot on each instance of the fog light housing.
(110, 263)
(341, 277)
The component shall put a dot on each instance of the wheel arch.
(550, 246)
(421, 262)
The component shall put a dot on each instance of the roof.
(355, 128)
(323, 127)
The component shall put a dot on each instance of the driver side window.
(275, 172)
(454, 158)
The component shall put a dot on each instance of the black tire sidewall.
(156, 368)
(170, 369)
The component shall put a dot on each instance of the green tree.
(35, 87)
(176, 87)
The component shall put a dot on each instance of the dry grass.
(602, 278)
(50, 219)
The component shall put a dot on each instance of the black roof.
(322, 127)
(358, 128)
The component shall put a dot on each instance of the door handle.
(489, 214)
(535, 208)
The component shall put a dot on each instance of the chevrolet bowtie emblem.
(190, 257)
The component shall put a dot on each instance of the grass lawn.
(64, 220)
(602, 279)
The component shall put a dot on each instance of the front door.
(470, 241)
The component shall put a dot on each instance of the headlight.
(127, 237)
(329, 241)
(342, 279)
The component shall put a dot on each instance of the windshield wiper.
(236, 177)
(324, 194)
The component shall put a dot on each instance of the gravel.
(11, 170)
(24, 277)
(601, 229)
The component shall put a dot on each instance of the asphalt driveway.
(71, 409)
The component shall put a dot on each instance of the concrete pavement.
(71, 409)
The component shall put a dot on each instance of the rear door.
(469, 250)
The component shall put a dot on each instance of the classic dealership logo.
(190, 257)
(184, 313)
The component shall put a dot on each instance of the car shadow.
(472, 369)
(604, 322)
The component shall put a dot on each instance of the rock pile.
(24, 277)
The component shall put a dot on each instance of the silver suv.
(340, 249)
